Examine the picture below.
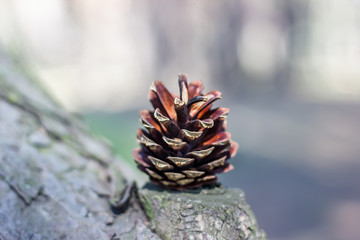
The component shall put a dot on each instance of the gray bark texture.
(216, 213)
(58, 181)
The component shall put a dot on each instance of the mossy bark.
(216, 213)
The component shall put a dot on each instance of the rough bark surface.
(216, 213)
(55, 178)
(57, 181)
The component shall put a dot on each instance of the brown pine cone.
(185, 143)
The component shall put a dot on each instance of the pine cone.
(185, 143)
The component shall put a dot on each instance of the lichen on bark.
(213, 213)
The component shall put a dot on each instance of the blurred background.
(288, 69)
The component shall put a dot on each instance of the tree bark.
(58, 181)
(208, 213)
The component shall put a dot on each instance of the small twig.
(120, 202)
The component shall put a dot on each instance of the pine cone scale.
(205, 107)
(193, 173)
(184, 94)
(181, 161)
(195, 89)
(201, 154)
(166, 99)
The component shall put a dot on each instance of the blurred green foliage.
(119, 128)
